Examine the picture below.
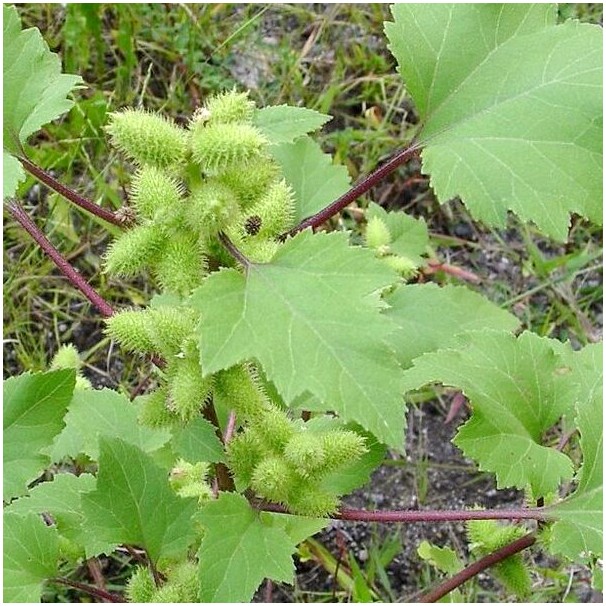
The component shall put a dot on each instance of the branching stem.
(471, 571)
(94, 591)
(70, 194)
(357, 190)
(233, 250)
(62, 264)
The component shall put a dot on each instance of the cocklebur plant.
(283, 355)
(277, 458)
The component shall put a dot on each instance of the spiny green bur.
(160, 330)
(377, 233)
(148, 138)
(486, 536)
(135, 250)
(280, 460)
(403, 265)
(182, 265)
(189, 480)
(230, 107)
(140, 586)
(181, 585)
(216, 147)
(211, 208)
(239, 389)
(153, 190)
(154, 411)
(67, 356)
(188, 390)
(305, 451)
(275, 209)
(250, 185)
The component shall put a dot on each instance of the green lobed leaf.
(284, 123)
(410, 237)
(34, 89)
(444, 559)
(34, 407)
(295, 316)
(30, 557)
(134, 503)
(61, 499)
(243, 546)
(579, 529)
(13, 174)
(198, 441)
(518, 389)
(315, 180)
(431, 317)
(96, 413)
(511, 106)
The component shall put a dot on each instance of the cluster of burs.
(191, 185)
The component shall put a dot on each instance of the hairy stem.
(62, 264)
(471, 571)
(410, 516)
(95, 571)
(224, 480)
(357, 190)
(233, 250)
(94, 591)
(69, 194)
(231, 426)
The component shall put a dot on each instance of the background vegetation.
(329, 57)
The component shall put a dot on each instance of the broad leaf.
(284, 123)
(511, 107)
(315, 179)
(13, 174)
(133, 503)
(579, 531)
(198, 442)
(242, 546)
(410, 237)
(308, 319)
(61, 498)
(444, 559)
(30, 557)
(34, 89)
(518, 389)
(96, 413)
(34, 407)
(431, 317)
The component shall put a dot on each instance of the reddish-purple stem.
(231, 426)
(471, 571)
(234, 251)
(408, 516)
(565, 439)
(440, 516)
(94, 591)
(69, 194)
(268, 593)
(357, 190)
(64, 266)
(458, 401)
